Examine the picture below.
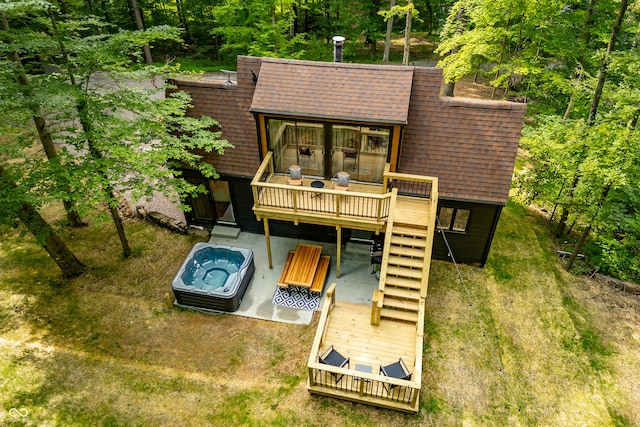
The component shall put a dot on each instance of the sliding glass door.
(297, 143)
(324, 149)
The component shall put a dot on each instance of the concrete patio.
(356, 283)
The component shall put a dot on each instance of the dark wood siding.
(242, 200)
(472, 246)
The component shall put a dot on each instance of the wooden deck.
(404, 207)
(351, 333)
(347, 327)
(363, 207)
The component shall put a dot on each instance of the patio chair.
(294, 176)
(352, 154)
(343, 181)
(332, 357)
(377, 249)
(395, 370)
(306, 152)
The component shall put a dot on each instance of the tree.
(140, 24)
(40, 122)
(251, 27)
(38, 227)
(455, 25)
(387, 41)
(114, 135)
(602, 72)
(20, 196)
(408, 12)
(14, 206)
(591, 120)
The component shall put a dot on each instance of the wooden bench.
(285, 270)
(321, 274)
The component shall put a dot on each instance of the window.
(453, 219)
(324, 149)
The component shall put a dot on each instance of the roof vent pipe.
(338, 41)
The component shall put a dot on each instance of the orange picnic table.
(303, 265)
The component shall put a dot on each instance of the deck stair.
(402, 276)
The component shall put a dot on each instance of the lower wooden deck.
(350, 332)
(347, 328)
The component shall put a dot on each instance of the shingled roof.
(336, 91)
(469, 144)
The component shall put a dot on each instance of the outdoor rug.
(298, 300)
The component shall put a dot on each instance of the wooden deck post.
(338, 249)
(266, 236)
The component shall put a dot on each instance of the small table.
(317, 184)
(363, 368)
(366, 383)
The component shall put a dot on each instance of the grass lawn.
(519, 342)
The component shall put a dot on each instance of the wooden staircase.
(401, 276)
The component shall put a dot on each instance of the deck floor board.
(412, 211)
(351, 333)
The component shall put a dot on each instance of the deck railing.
(409, 185)
(348, 383)
(319, 202)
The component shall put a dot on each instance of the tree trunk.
(108, 189)
(46, 237)
(51, 242)
(502, 47)
(117, 221)
(44, 134)
(461, 18)
(602, 73)
(407, 35)
(587, 38)
(587, 230)
(562, 224)
(387, 40)
(449, 89)
(105, 9)
(139, 23)
(578, 247)
(183, 21)
(293, 23)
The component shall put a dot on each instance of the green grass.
(205, 65)
(517, 342)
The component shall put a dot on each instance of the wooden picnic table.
(303, 265)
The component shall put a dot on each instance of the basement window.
(453, 219)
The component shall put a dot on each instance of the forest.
(575, 63)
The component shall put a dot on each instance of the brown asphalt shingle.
(229, 105)
(469, 144)
(338, 91)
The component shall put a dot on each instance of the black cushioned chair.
(332, 357)
(395, 370)
(306, 152)
(352, 154)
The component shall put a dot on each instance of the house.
(332, 117)
(408, 162)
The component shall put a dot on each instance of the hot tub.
(214, 277)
